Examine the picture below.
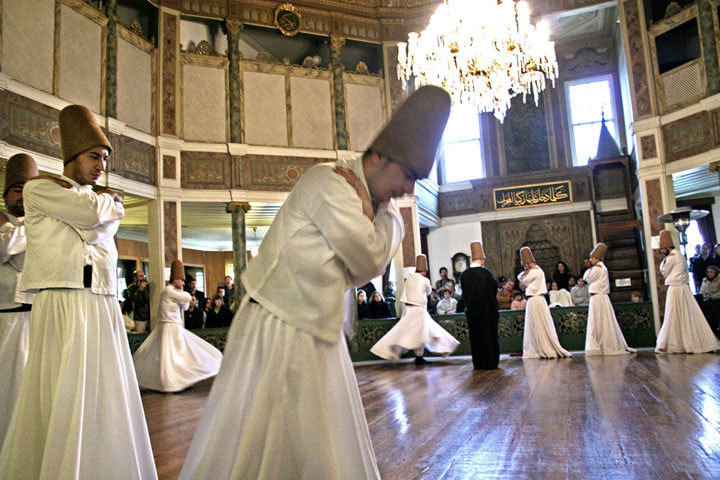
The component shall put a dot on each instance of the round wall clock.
(287, 19)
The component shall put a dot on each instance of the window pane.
(589, 100)
(463, 124)
(586, 142)
(463, 161)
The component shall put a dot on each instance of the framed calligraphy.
(523, 196)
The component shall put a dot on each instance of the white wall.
(447, 240)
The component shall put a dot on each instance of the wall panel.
(264, 106)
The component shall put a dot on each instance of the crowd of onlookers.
(705, 267)
(214, 311)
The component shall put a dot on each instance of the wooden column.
(233, 29)
(336, 44)
(237, 210)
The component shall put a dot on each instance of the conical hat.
(79, 132)
(20, 168)
(421, 263)
(666, 240)
(412, 136)
(526, 255)
(177, 271)
(599, 251)
(476, 251)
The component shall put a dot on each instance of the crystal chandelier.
(483, 52)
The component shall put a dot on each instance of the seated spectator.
(448, 304)
(505, 295)
(710, 288)
(378, 307)
(561, 275)
(501, 281)
(369, 289)
(219, 315)
(363, 307)
(559, 297)
(586, 265)
(433, 300)
(636, 297)
(194, 316)
(580, 293)
(518, 302)
(443, 278)
(208, 304)
(572, 281)
(220, 291)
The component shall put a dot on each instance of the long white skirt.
(172, 359)
(540, 339)
(285, 405)
(79, 413)
(684, 329)
(14, 335)
(604, 336)
(416, 330)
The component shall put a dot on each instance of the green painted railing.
(636, 322)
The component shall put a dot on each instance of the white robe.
(416, 330)
(286, 404)
(560, 298)
(539, 337)
(604, 336)
(684, 328)
(14, 326)
(79, 413)
(172, 358)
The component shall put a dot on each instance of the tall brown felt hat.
(526, 255)
(20, 168)
(412, 136)
(421, 263)
(79, 132)
(476, 251)
(599, 251)
(666, 240)
(177, 272)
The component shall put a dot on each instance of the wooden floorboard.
(643, 416)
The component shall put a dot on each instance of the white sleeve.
(12, 241)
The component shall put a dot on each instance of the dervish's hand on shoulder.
(3, 219)
(59, 181)
(355, 182)
(115, 195)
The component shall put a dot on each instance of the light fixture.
(483, 52)
(681, 219)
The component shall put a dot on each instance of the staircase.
(619, 230)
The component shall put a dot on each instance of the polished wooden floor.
(643, 416)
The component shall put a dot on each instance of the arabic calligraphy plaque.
(539, 194)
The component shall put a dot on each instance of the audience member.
(219, 315)
(208, 306)
(378, 307)
(699, 264)
(580, 293)
(139, 292)
(572, 281)
(586, 265)
(561, 275)
(363, 307)
(389, 294)
(559, 297)
(443, 278)
(518, 302)
(433, 300)
(710, 288)
(194, 316)
(220, 291)
(505, 294)
(448, 304)
(229, 297)
(192, 290)
(636, 297)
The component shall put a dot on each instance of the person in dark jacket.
(139, 292)
(194, 316)
(219, 315)
(481, 310)
(362, 305)
(378, 307)
(699, 264)
(562, 276)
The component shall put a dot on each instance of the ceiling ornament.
(483, 52)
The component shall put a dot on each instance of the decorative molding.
(647, 147)
(269, 172)
(169, 72)
(205, 170)
(132, 159)
(169, 167)
(638, 67)
(586, 61)
(688, 136)
(28, 124)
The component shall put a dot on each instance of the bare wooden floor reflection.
(640, 416)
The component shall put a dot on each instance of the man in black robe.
(481, 310)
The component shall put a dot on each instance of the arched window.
(462, 152)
